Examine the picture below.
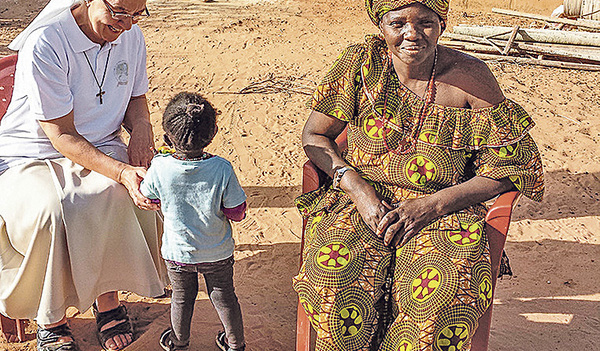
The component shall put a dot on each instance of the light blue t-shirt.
(191, 195)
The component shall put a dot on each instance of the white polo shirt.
(53, 77)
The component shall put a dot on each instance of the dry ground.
(220, 47)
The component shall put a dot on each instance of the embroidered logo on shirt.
(122, 73)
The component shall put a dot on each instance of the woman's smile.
(114, 30)
(411, 32)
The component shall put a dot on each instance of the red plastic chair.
(497, 221)
(13, 330)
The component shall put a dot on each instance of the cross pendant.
(100, 93)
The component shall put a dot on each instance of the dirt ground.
(218, 48)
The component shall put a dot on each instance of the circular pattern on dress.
(404, 256)
(352, 318)
(310, 301)
(467, 241)
(369, 133)
(375, 129)
(319, 221)
(401, 336)
(429, 285)
(481, 284)
(454, 327)
(506, 152)
(425, 285)
(425, 168)
(479, 141)
(335, 258)
(420, 170)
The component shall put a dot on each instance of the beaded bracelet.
(338, 174)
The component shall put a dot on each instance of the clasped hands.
(396, 224)
(140, 152)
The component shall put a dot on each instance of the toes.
(119, 342)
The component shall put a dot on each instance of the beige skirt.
(67, 235)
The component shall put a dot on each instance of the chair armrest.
(312, 177)
(7, 80)
(499, 214)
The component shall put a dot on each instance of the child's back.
(192, 195)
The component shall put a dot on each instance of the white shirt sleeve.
(140, 81)
(47, 81)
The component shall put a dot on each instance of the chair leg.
(302, 330)
(481, 338)
(14, 329)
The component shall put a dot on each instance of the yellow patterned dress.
(441, 278)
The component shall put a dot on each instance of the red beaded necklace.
(406, 145)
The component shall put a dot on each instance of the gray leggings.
(219, 284)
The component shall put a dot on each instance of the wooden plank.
(583, 23)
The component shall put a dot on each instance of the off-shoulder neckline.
(416, 96)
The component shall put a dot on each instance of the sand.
(219, 48)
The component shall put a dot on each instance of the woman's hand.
(409, 217)
(369, 204)
(405, 220)
(137, 123)
(131, 177)
(141, 148)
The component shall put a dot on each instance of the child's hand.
(131, 177)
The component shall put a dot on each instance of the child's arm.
(233, 203)
(147, 186)
(235, 214)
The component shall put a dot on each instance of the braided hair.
(189, 122)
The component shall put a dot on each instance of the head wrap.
(377, 8)
(54, 9)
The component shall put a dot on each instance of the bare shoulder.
(468, 78)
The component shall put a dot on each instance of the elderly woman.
(70, 235)
(430, 137)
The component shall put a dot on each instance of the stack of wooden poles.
(573, 49)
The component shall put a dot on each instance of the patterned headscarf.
(377, 8)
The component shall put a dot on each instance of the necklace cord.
(101, 84)
(429, 98)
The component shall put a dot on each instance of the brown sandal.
(103, 318)
(48, 339)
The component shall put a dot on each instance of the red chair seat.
(13, 330)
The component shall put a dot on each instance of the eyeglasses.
(122, 16)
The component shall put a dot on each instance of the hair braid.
(189, 122)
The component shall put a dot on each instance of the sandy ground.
(218, 48)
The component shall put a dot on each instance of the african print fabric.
(377, 8)
(442, 276)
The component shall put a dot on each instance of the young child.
(199, 193)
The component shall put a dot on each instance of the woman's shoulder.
(468, 78)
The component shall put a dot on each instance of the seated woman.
(430, 137)
(70, 235)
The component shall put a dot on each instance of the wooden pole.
(530, 61)
(583, 23)
(511, 40)
(580, 52)
(536, 35)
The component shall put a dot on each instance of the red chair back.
(7, 81)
